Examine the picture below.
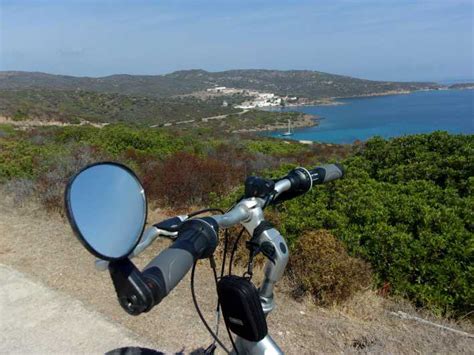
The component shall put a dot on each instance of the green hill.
(301, 83)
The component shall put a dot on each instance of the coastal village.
(259, 99)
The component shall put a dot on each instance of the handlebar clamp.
(258, 187)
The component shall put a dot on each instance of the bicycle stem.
(249, 213)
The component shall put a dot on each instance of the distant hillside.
(462, 86)
(301, 83)
(78, 105)
(30, 106)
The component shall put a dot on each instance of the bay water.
(389, 116)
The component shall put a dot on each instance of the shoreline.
(333, 101)
(305, 120)
(437, 106)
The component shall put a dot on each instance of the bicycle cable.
(198, 310)
(226, 243)
(194, 214)
(213, 267)
(234, 249)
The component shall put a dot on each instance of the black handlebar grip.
(196, 239)
(326, 173)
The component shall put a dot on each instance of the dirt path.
(38, 123)
(204, 119)
(43, 247)
(36, 319)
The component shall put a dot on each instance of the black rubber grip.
(196, 239)
(326, 173)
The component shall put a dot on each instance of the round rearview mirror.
(106, 206)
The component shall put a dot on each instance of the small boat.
(288, 133)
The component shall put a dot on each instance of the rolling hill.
(301, 83)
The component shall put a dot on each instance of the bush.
(18, 159)
(275, 146)
(117, 139)
(320, 266)
(20, 189)
(184, 179)
(405, 206)
(51, 183)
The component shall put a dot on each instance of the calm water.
(390, 116)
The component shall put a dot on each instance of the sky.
(381, 39)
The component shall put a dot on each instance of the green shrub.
(116, 139)
(19, 115)
(274, 146)
(17, 159)
(6, 130)
(405, 206)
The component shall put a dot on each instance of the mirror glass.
(107, 208)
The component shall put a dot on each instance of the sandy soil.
(44, 247)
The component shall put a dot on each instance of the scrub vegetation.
(73, 107)
(406, 206)
(404, 210)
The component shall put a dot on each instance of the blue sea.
(389, 116)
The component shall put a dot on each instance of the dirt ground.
(44, 247)
(38, 320)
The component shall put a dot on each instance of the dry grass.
(43, 246)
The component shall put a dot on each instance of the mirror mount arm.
(134, 293)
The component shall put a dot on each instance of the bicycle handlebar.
(300, 180)
(198, 238)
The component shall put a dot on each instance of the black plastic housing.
(134, 294)
(258, 187)
(241, 308)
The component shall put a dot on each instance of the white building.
(266, 95)
(216, 89)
